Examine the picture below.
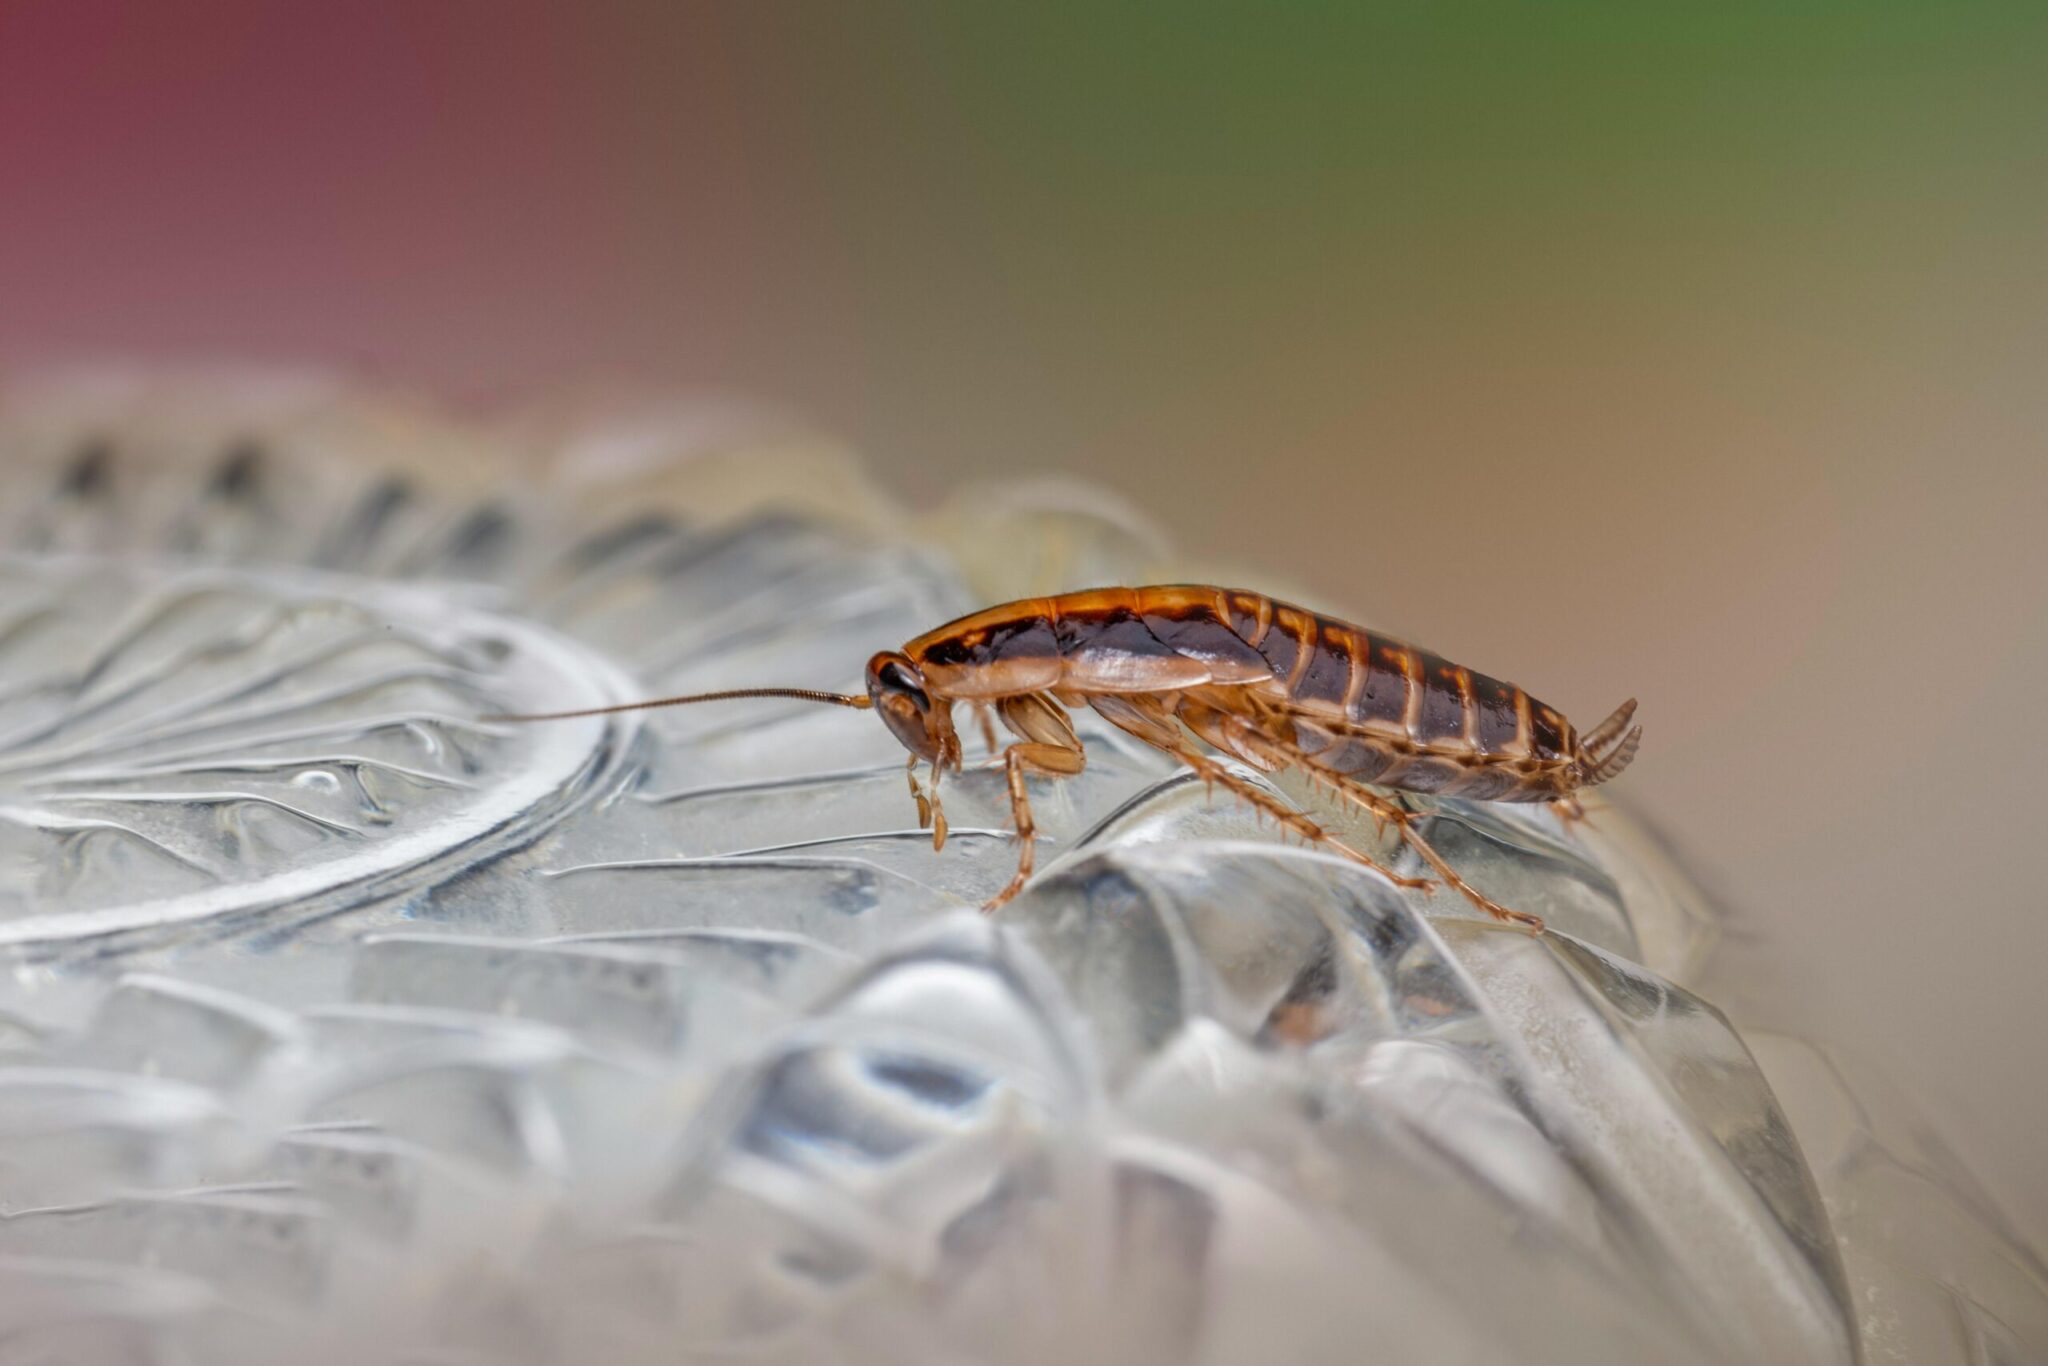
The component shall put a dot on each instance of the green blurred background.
(1695, 353)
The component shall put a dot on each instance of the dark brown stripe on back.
(1497, 723)
(1251, 617)
(1282, 645)
(1385, 698)
(1328, 675)
(1443, 701)
(1020, 637)
(1546, 729)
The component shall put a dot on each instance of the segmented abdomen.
(1379, 710)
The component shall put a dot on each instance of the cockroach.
(1264, 682)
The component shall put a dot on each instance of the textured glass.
(342, 1025)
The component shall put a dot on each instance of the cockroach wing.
(1204, 639)
(1115, 653)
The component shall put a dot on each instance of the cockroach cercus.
(1261, 681)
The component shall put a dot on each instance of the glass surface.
(340, 1024)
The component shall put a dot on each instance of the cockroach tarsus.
(1271, 685)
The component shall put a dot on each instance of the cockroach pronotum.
(1261, 681)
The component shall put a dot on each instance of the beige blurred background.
(1695, 357)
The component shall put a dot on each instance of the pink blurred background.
(1694, 357)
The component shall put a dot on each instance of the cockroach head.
(896, 688)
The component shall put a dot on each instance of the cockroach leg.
(1389, 812)
(930, 814)
(924, 808)
(1148, 719)
(1386, 812)
(939, 828)
(985, 718)
(1260, 800)
(1050, 761)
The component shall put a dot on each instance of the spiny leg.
(1050, 761)
(1152, 719)
(1261, 800)
(1384, 812)
(1228, 730)
(1389, 813)
(1156, 720)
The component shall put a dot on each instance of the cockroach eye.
(895, 679)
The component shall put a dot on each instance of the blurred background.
(1690, 354)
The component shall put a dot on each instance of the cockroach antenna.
(857, 701)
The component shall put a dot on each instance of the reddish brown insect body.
(1272, 685)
